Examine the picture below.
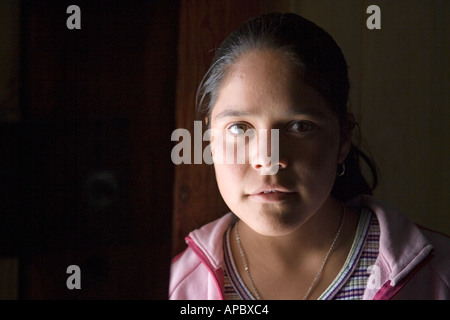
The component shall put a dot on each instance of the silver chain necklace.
(316, 278)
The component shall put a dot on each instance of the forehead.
(266, 81)
(264, 66)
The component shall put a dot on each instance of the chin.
(274, 224)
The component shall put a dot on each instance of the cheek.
(229, 179)
(322, 157)
(227, 149)
(228, 174)
(316, 161)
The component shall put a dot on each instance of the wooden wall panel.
(9, 60)
(99, 109)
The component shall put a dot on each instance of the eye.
(300, 126)
(238, 128)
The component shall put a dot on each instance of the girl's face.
(264, 90)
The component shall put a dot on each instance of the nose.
(265, 153)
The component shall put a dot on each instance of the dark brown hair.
(324, 68)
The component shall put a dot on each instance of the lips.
(271, 188)
(272, 193)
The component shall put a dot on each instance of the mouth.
(272, 194)
(271, 191)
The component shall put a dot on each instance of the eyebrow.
(232, 113)
(236, 113)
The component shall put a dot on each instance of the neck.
(315, 235)
(297, 257)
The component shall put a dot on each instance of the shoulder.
(185, 269)
(440, 262)
(433, 280)
(411, 257)
(196, 271)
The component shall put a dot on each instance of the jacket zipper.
(204, 259)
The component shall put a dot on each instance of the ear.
(346, 137)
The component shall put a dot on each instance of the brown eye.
(300, 126)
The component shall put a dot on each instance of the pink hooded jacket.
(413, 262)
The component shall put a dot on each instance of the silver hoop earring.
(341, 169)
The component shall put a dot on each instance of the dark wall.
(87, 173)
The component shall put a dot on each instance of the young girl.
(311, 230)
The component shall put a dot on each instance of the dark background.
(85, 175)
